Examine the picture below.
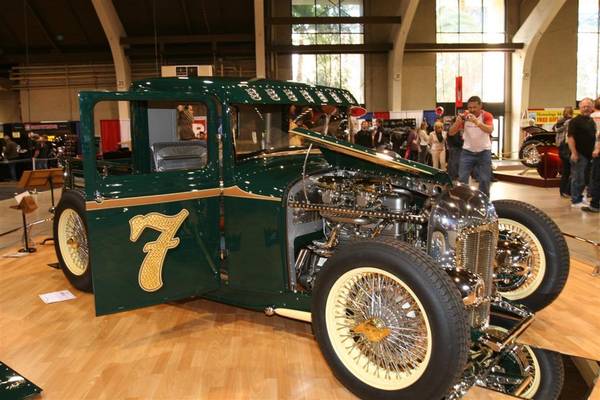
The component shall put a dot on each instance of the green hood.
(343, 154)
(270, 175)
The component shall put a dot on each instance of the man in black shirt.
(380, 140)
(364, 137)
(581, 138)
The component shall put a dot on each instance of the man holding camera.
(476, 156)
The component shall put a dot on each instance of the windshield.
(264, 128)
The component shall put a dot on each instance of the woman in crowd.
(423, 138)
(561, 127)
(437, 141)
(412, 146)
(364, 137)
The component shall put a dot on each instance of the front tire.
(532, 259)
(389, 322)
(71, 240)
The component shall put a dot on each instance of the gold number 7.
(150, 276)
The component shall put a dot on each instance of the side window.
(177, 133)
(160, 136)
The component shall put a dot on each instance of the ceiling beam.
(461, 47)
(333, 48)
(186, 16)
(183, 39)
(42, 24)
(335, 20)
(48, 57)
(78, 20)
(205, 16)
(13, 36)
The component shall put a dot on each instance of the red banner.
(381, 115)
(458, 92)
(110, 134)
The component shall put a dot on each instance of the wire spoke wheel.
(72, 239)
(378, 328)
(520, 260)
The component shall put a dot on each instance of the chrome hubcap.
(520, 260)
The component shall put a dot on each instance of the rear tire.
(389, 322)
(548, 263)
(71, 240)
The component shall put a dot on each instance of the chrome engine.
(458, 227)
(463, 235)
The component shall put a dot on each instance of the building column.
(114, 31)
(259, 38)
(530, 33)
(407, 10)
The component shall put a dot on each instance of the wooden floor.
(204, 350)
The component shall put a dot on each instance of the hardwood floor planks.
(199, 349)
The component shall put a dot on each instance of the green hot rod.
(416, 287)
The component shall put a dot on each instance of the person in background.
(364, 137)
(437, 141)
(476, 155)
(455, 144)
(42, 153)
(32, 140)
(561, 129)
(423, 139)
(594, 186)
(380, 140)
(11, 152)
(412, 146)
(581, 136)
(185, 119)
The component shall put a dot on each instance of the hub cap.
(520, 260)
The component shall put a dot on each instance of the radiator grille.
(475, 252)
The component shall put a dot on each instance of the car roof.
(248, 91)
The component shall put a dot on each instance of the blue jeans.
(12, 167)
(481, 164)
(595, 183)
(454, 161)
(578, 169)
(41, 164)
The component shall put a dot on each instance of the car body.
(274, 213)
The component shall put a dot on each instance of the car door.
(153, 220)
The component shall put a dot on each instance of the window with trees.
(470, 21)
(588, 41)
(337, 70)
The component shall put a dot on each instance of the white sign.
(54, 297)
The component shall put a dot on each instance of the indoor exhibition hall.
(300, 199)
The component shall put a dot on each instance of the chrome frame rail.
(596, 271)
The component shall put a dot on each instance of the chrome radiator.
(475, 251)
